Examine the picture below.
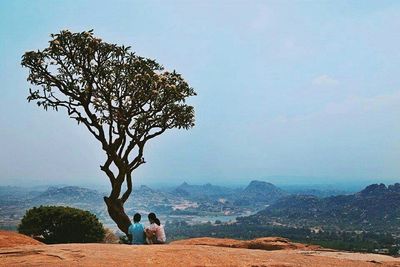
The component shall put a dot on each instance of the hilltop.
(200, 192)
(68, 194)
(192, 252)
(259, 193)
(376, 208)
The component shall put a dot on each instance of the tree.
(62, 225)
(124, 100)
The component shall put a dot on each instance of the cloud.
(350, 108)
(363, 104)
(324, 80)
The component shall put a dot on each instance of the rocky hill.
(17, 194)
(201, 192)
(259, 193)
(69, 195)
(376, 208)
(13, 239)
(275, 252)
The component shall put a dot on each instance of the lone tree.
(124, 100)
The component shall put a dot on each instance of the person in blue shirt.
(136, 231)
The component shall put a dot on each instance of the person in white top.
(155, 233)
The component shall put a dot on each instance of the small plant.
(110, 237)
(123, 239)
(55, 224)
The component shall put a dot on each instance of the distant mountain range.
(202, 191)
(376, 208)
(317, 190)
(68, 194)
(255, 194)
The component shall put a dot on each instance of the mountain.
(259, 193)
(202, 192)
(17, 194)
(145, 191)
(69, 195)
(376, 208)
(316, 190)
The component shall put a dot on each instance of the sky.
(288, 91)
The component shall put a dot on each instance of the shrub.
(110, 237)
(53, 224)
(123, 239)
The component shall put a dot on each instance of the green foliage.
(102, 83)
(123, 99)
(55, 224)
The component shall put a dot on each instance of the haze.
(288, 91)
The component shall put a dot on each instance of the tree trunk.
(116, 211)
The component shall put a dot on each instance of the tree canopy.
(56, 224)
(123, 99)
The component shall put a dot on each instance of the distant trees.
(342, 240)
(54, 224)
(124, 100)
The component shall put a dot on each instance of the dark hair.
(152, 216)
(137, 217)
(157, 221)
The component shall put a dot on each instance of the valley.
(368, 220)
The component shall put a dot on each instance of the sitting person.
(136, 231)
(155, 233)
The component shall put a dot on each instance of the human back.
(136, 230)
(160, 232)
(155, 233)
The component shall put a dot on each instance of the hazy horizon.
(284, 182)
(286, 89)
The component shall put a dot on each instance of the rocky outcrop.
(277, 252)
(265, 243)
(13, 239)
(260, 193)
(374, 209)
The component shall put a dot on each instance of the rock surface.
(265, 243)
(191, 252)
(13, 239)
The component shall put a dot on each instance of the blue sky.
(285, 88)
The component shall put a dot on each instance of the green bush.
(54, 224)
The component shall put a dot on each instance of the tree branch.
(128, 191)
